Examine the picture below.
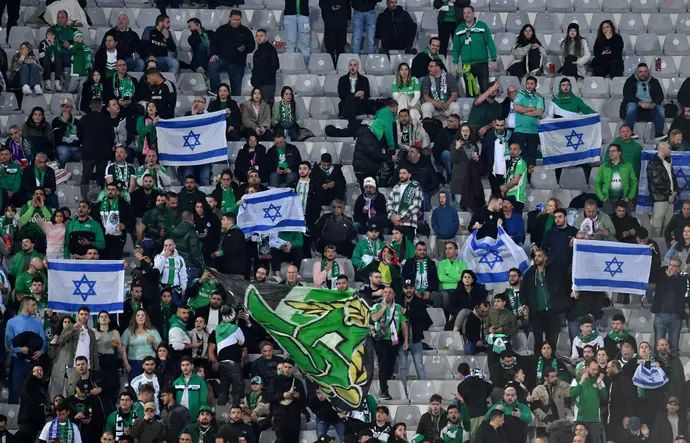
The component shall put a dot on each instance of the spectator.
(223, 100)
(507, 104)
(204, 428)
(94, 131)
(466, 176)
(631, 148)
(128, 43)
(440, 92)
(117, 219)
(310, 199)
(594, 224)
(296, 25)
(250, 157)
(161, 46)
(147, 427)
(475, 44)
(326, 416)
(364, 22)
(410, 133)
(286, 118)
(622, 400)
(515, 184)
(421, 168)
(200, 41)
(25, 71)
(370, 205)
(151, 167)
(675, 227)
(467, 295)
(575, 52)
(383, 126)
(41, 176)
(493, 155)
(513, 224)
(501, 319)
(565, 104)
(663, 187)
(553, 400)
(282, 160)
(159, 91)
(256, 117)
(390, 325)
(11, 178)
(608, 52)
(265, 65)
(404, 203)
(232, 251)
(626, 225)
(395, 28)
(19, 148)
(489, 431)
(671, 364)
(529, 54)
(487, 220)
(669, 424)
(588, 392)
(403, 247)
(229, 49)
(329, 180)
(588, 337)
(420, 62)
(189, 195)
(450, 270)
(449, 17)
(529, 107)
(421, 270)
(106, 58)
(444, 218)
(53, 427)
(225, 352)
(485, 109)
(675, 139)
(517, 416)
(65, 133)
(615, 180)
(353, 87)
(643, 100)
(82, 232)
(434, 420)
(327, 271)
(407, 91)
(50, 57)
(123, 88)
(667, 304)
(287, 398)
(123, 136)
(472, 327)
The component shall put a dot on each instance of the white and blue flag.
(99, 285)
(570, 141)
(492, 258)
(680, 163)
(275, 210)
(611, 266)
(192, 140)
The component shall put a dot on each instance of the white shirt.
(178, 338)
(184, 400)
(213, 319)
(162, 263)
(46, 430)
(83, 346)
(141, 380)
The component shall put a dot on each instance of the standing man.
(265, 65)
(404, 203)
(390, 324)
(232, 251)
(336, 14)
(225, 349)
(616, 180)
(669, 302)
(191, 390)
(30, 349)
(528, 107)
(97, 140)
(117, 219)
(663, 187)
(364, 21)
(296, 25)
(588, 392)
(515, 180)
(418, 320)
(474, 43)
(396, 29)
(287, 399)
(229, 49)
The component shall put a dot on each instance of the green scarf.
(206, 288)
(171, 270)
(515, 303)
(432, 56)
(110, 215)
(123, 88)
(285, 112)
(71, 131)
(225, 330)
(335, 269)
(407, 197)
(541, 363)
(374, 246)
(176, 322)
(567, 102)
(253, 399)
(588, 338)
(618, 337)
(205, 41)
(421, 279)
(471, 82)
(229, 203)
(166, 313)
(97, 90)
(550, 221)
(63, 432)
(40, 176)
(81, 59)
(439, 91)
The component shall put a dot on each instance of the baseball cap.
(372, 226)
(256, 380)
(150, 405)
(206, 408)
(66, 100)
(369, 181)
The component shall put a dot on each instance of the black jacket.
(555, 278)
(409, 271)
(59, 128)
(630, 90)
(674, 229)
(423, 172)
(335, 11)
(233, 431)
(228, 39)
(97, 137)
(126, 216)
(141, 201)
(557, 244)
(163, 95)
(393, 23)
(368, 157)
(418, 318)
(29, 180)
(291, 8)
(684, 94)
(87, 94)
(279, 386)
(625, 224)
(235, 119)
(669, 287)
(683, 124)
(362, 84)
(420, 65)
(622, 398)
(487, 434)
(33, 401)
(265, 64)
(658, 181)
(157, 45)
(662, 431)
(234, 247)
(292, 157)
(379, 204)
(430, 426)
(314, 203)
(127, 41)
(474, 391)
(243, 162)
(319, 177)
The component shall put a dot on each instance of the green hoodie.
(624, 170)
(449, 273)
(88, 225)
(474, 43)
(188, 244)
(525, 413)
(366, 247)
(10, 178)
(382, 126)
(632, 153)
(587, 399)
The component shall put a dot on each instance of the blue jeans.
(322, 429)
(202, 173)
(29, 74)
(298, 25)
(19, 370)
(235, 72)
(66, 153)
(445, 161)
(275, 179)
(668, 325)
(137, 369)
(657, 117)
(361, 22)
(417, 351)
(135, 64)
(168, 64)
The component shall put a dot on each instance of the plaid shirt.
(409, 217)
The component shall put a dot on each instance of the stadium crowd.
(182, 364)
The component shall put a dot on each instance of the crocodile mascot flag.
(325, 331)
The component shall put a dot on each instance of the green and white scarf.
(64, 432)
(516, 303)
(588, 338)
(439, 91)
(285, 112)
(302, 190)
(120, 424)
(97, 90)
(421, 279)
(121, 175)
(110, 215)
(432, 56)
(229, 203)
(171, 270)
(335, 271)
(407, 197)
(176, 322)
(71, 131)
(541, 363)
(124, 88)
(618, 337)
(223, 331)
(406, 134)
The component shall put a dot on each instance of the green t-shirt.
(527, 124)
(409, 89)
(518, 167)
(543, 301)
(282, 158)
(449, 16)
(385, 323)
(485, 113)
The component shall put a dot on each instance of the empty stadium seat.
(595, 87)
(674, 6)
(322, 108)
(532, 5)
(641, 320)
(263, 18)
(547, 23)
(321, 64)
(308, 85)
(515, 21)
(659, 23)
(21, 34)
(450, 341)
(191, 83)
(436, 367)
(8, 104)
(684, 67)
(292, 63)
(421, 390)
(409, 414)
(647, 44)
(615, 6)
(544, 178)
(646, 6)
(504, 43)
(502, 5)
(676, 44)
(429, 22)
(377, 64)
(587, 5)
(178, 18)
(493, 20)
(559, 5)
(31, 101)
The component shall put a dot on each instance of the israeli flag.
(275, 210)
(492, 258)
(98, 285)
(192, 140)
(611, 266)
(570, 141)
(680, 163)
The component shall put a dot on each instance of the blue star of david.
(610, 264)
(272, 212)
(78, 287)
(578, 142)
(189, 143)
(683, 179)
(491, 261)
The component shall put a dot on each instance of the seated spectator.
(501, 319)
(466, 181)
(25, 71)
(67, 143)
(529, 107)
(594, 224)
(675, 139)
(160, 174)
(513, 223)
(529, 55)
(329, 180)
(286, 247)
(50, 57)
(440, 92)
(403, 247)
(474, 42)
(254, 183)
(678, 222)
(256, 117)
(128, 43)
(92, 88)
(106, 58)
(420, 62)
(643, 100)
(566, 104)
(157, 89)
(282, 161)
(285, 116)
(200, 41)
(80, 59)
(41, 176)
(407, 91)
(444, 219)
(467, 295)
(395, 28)
(615, 181)
(485, 109)
(251, 156)
(588, 336)
(335, 228)
(607, 60)
(680, 249)
(421, 271)
(38, 132)
(353, 90)
(631, 148)
(327, 270)
(575, 52)
(410, 132)
(663, 188)
(161, 46)
(625, 224)
(18, 146)
(540, 221)
(682, 123)
(367, 248)
(473, 329)
(445, 141)
(388, 265)
(370, 205)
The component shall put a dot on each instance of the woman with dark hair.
(608, 52)
(546, 358)
(251, 156)
(398, 433)
(467, 295)
(61, 356)
(466, 181)
(39, 133)
(164, 368)
(285, 118)
(529, 55)
(543, 222)
(226, 193)
(256, 117)
(92, 88)
(108, 342)
(233, 114)
(146, 129)
(25, 70)
(575, 51)
(55, 234)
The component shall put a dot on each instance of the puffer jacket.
(658, 181)
(368, 157)
(541, 400)
(188, 244)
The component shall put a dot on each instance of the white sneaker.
(26, 90)
(38, 90)
(58, 85)
(49, 85)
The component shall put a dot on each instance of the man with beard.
(329, 180)
(418, 320)
(390, 325)
(516, 302)
(148, 377)
(210, 313)
(404, 203)
(11, 178)
(190, 195)
(671, 365)
(588, 392)
(265, 64)
(549, 400)
(160, 174)
(617, 336)
(121, 420)
(236, 429)
(421, 270)
(34, 397)
(83, 232)
(622, 401)
(292, 277)
(231, 254)
(156, 224)
(444, 141)
(485, 110)
(144, 197)
(457, 425)
(86, 411)
(487, 220)
(309, 192)
(372, 291)
(204, 430)
(517, 416)
(494, 153)
(253, 179)
(287, 398)
(174, 417)
(115, 215)
(409, 132)
(121, 173)
(370, 206)
(422, 171)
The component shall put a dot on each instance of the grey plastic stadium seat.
(191, 83)
(377, 64)
(673, 87)
(641, 321)
(308, 85)
(330, 85)
(465, 106)
(587, 5)
(595, 87)
(417, 5)
(12, 413)
(616, 88)
(573, 178)
(531, 5)
(673, 6)
(539, 196)
(97, 16)
(314, 125)
(146, 17)
(8, 104)
(547, 23)
(684, 69)
(292, 63)
(683, 24)
(115, 13)
(396, 59)
(502, 5)
(318, 148)
(631, 23)
(263, 18)
(322, 108)
(630, 63)
(508, 80)
(516, 20)
(420, 391)
(450, 341)
(184, 104)
(504, 43)
(615, 6)
(574, 17)
(545, 84)
(31, 101)
(676, 44)
(384, 83)
(436, 367)
(397, 392)
(211, 18)
(274, 4)
(346, 152)
(612, 108)
(21, 34)
(178, 18)
(559, 6)
(684, 344)
(374, 91)
(647, 44)
(344, 60)
(668, 68)
(493, 20)
(429, 21)
(544, 178)
(321, 64)
(480, 5)
(660, 23)
(646, 6)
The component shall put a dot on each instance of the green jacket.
(602, 183)
(587, 398)
(296, 239)
(64, 34)
(525, 413)
(156, 219)
(22, 284)
(10, 178)
(631, 153)
(197, 392)
(209, 437)
(188, 244)
(362, 249)
(144, 130)
(88, 225)
(473, 43)
(382, 126)
(16, 266)
(111, 423)
(453, 433)
(28, 217)
(409, 249)
(449, 273)
(504, 319)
